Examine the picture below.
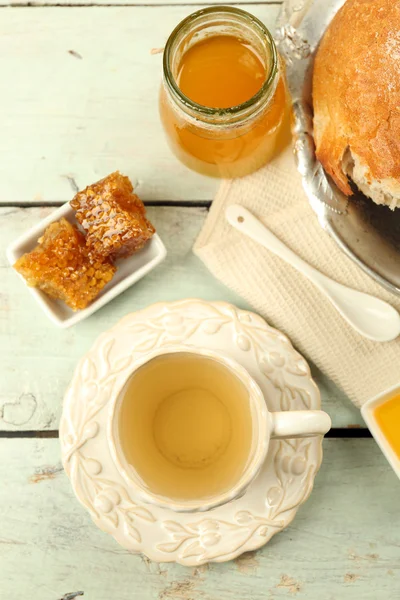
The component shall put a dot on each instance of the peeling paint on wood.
(352, 554)
(290, 584)
(45, 474)
(72, 596)
(247, 562)
(201, 570)
(351, 577)
(182, 590)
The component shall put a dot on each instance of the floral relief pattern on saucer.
(271, 501)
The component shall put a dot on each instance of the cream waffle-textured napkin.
(285, 298)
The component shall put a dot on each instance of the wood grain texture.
(106, 3)
(78, 94)
(344, 544)
(37, 359)
(79, 99)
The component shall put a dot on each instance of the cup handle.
(299, 423)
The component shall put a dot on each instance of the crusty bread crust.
(356, 93)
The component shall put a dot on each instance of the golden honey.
(387, 416)
(220, 72)
(223, 102)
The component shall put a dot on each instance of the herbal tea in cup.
(190, 429)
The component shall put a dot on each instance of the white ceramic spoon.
(371, 317)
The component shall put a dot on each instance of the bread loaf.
(356, 97)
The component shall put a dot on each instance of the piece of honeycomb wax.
(62, 266)
(113, 217)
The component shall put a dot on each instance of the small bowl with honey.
(382, 415)
(223, 98)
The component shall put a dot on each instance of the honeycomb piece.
(63, 268)
(113, 217)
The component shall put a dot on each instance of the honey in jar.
(223, 98)
(220, 72)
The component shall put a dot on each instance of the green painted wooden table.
(79, 99)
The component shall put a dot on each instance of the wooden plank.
(79, 99)
(344, 542)
(102, 3)
(37, 359)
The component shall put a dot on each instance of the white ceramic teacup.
(264, 426)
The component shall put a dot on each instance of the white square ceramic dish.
(128, 272)
(367, 411)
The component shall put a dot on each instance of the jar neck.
(223, 20)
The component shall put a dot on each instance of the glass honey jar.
(223, 99)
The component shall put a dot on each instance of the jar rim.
(233, 110)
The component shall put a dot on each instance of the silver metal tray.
(369, 234)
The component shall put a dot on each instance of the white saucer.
(221, 534)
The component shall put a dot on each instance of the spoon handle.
(240, 218)
(369, 316)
